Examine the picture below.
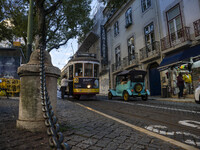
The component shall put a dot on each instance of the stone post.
(30, 108)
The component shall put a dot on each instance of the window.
(145, 4)
(118, 56)
(149, 37)
(131, 49)
(78, 69)
(116, 28)
(88, 70)
(96, 70)
(174, 23)
(128, 16)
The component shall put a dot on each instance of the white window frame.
(116, 28)
(117, 56)
(148, 35)
(128, 17)
(146, 3)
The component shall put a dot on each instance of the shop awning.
(180, 57)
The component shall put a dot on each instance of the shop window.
(116, 28)
(128, 16)
(145, 4)
(131, 49)
(174, 22)
(88, 70)
(96, 70)
(118, 56)
(149, 37)
(78, 69)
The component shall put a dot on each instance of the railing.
(116, 67)
(130, 60)
(150, 50)
(197, 27)
(127, 61)
(175, 38)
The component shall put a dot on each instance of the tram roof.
(84, 59)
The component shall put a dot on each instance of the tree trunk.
(41, 24)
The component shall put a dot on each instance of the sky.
(61, 56)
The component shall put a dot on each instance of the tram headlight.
(88, 86)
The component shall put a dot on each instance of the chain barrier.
(51, 122)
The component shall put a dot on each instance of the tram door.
(154, 77)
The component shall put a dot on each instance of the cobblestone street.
(82, 129)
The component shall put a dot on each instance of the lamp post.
(29, 31)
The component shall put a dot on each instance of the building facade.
(180, 45)
(143, 34)
(157, 36)
(133, 35)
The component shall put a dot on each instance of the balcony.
(116, 67)
(176, 40)
(197, 28)
(150, 52)
(126, 63)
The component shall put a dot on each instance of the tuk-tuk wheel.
(110, 95)
(126, 96)
(144, 97)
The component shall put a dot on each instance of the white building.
(133, 34)
(143, 34)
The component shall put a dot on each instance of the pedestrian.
(180, 84)
(70, 85)
(188, 80)
(64, 84)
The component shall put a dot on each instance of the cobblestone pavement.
(82, 129)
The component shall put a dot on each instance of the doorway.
(154, 80)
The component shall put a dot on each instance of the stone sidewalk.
(82, 129)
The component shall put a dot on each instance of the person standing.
(188, 80)
(70, 85)
(64, 84)
(180, 84)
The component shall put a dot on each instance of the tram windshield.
(78, 69)
(88, 70)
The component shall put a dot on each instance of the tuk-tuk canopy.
(135, 75)
(132, 72)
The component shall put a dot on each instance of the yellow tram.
(84, 68)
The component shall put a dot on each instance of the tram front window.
(88, 70)
(96, 70)
(78, 69)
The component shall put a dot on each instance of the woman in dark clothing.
(180, 84)
(70, 85)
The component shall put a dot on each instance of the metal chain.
(56, 137)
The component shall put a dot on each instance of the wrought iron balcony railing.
(131, 59)
(150, 50)
(127, 61)
(197, 27)
(175, 38)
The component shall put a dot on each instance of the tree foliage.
(55, 21)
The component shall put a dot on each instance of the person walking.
(180, 84)
(64, 84)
